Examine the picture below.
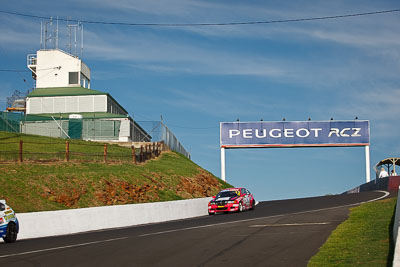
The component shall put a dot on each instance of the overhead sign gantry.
(294, 134)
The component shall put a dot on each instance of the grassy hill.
(52, 185)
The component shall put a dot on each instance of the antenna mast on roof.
(73, 35)
(47, 35)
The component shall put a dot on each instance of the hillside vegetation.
(52, 185)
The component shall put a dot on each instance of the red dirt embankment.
(114, 191)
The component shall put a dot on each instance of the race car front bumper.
(225, 208)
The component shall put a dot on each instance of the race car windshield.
(227, 194)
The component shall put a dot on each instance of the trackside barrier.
(396, 238)
(63, 222)
(386, 183)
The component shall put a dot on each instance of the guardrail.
(63, 222)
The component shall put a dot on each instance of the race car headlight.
(212, 203)
(231, 201)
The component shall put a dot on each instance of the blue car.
(9, 225)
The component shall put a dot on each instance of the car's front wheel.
(12, 232)
(240, 207)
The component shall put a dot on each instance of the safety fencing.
(92, 128)
(10, 122)
(161, 133)
(21, 151)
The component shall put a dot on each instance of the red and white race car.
(231, 199)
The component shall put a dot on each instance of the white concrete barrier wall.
(62, 222)
(396, 238)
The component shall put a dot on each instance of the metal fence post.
(105, 152)
(67, 151)
(133, 154)
(20, 159)
(150, 153)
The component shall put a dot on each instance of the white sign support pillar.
(367, 166)
(223, 164)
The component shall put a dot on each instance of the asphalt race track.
(276, 233)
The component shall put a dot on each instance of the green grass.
(32, 186)
(37, 147)
(364, 239)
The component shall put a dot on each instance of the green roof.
(64, 116)
(64, 91)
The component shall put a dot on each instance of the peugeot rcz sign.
(294, 134)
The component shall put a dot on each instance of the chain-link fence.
(10, 122)
(96, 129)
(161, 133)
(90, 127)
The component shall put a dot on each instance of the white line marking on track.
(185, 229)
(63, 247)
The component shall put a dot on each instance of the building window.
(73, 78)
(84, 81)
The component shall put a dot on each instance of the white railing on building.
(31, 59)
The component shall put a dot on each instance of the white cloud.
(368, 38)
(21, 35)
(222, 104)
(157, 51)
(380, 106)
(374, 103)
(165, 55)
(154, 7)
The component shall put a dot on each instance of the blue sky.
(196, 77)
